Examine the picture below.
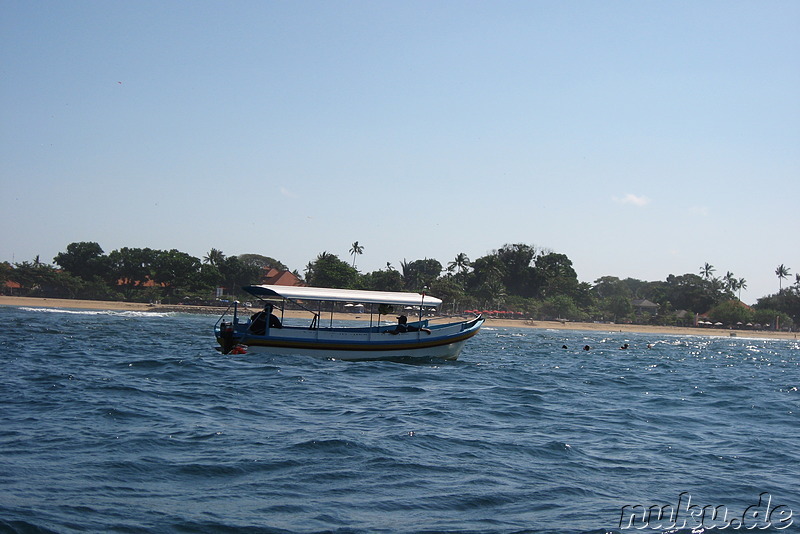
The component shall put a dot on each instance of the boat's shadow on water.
(421, 361)
(406, 360)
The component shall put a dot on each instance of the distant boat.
(266, 331)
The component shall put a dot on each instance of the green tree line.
(520, 278)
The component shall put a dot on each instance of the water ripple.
(110, 426)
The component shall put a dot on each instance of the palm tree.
(730, 281)
(355, 250)
(782, 272)
(707, 270)
(408, 274)
(461, 263)
(495, 292)
(214, 257)
(741, 284)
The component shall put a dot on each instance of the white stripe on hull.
(449, 351)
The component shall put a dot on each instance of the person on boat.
(274, 322)
(258, 321)
(403, 327)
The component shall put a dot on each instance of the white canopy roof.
(344, 295)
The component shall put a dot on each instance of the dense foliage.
(517, 278)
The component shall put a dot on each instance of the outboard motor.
(226, 337)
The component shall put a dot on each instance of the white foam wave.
(98, 312)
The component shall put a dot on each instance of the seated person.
(274, 322)
(258, 321)
(403, 327)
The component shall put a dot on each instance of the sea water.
(132, 422)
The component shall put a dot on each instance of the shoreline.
(37, 302)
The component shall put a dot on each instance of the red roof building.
(274, 277)
(9, 287)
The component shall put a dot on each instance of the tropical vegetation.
(516, 278)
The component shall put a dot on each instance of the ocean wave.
(23, 527)
(105, 416)
(110, 313)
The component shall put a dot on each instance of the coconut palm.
(741, 284)
(782, 272)
(214, 257)
(461, 263)
(355, 250)
(730, 281)
(411, 276)
(706, 271)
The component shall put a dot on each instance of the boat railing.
(222, 317)
(471, 323)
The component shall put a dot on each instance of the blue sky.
(641, 139)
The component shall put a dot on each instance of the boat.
(266, 331)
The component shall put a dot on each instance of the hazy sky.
(641, 139)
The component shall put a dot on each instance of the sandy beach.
(34, 302)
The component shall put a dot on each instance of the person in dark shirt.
(258, 321)
(403, 327)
